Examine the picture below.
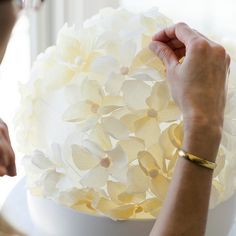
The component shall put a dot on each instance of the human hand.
(198, 84)
(7, 156)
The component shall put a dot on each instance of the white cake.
(98, 125)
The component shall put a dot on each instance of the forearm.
(8, 15)
(186, 206)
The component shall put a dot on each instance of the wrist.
(202, 137)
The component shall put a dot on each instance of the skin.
(8, 17)
(198, 86)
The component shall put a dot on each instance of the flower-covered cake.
(98, 126)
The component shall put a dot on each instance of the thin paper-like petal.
(220, 162)
(147, 58)
(160, 96)
(176, 134)
(151, 204)
(114, 189)
(137, 181)
(92, 91)
(148, 130)
(95, 178)
(99, 136)
(157, 152)
(82, 158)
(104, 65)
(114, 83)
(166, 144)
(80, 111)
(135, 93)
(170, 113)
(148, 164)
(115, 128)
(122, 212)
(132, 146)
(159, 186)
(118, 157)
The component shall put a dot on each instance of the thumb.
(165, 53)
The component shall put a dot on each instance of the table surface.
(15, 211)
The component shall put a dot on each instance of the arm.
(8, 16)
(198, 87)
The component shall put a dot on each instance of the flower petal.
(118, 157)
(138, 182)
(135, 93)
(132, 146)
(82, 158)
(80, 111)
(170, 113)
(148, 164)
(114, 83)
(148, 130)
(95, 178)
(100, 137)
(115, 128)
(159, 186)
(160, 96)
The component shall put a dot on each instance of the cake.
(98, 126)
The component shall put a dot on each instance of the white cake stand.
(16, 212)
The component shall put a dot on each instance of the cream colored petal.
(114, 84)
(159, 186)
(94, 148)
(148, 164)
(127, 52)
(132, 146)
(151, 204)
(110, 104)
(166, 144)
(118, 157)
(95, 178)
(105, 205)
(104, 65)
(157, 152)
(135, 93)
(115, 128)
(41, 161)
(122, 212)
(220, 162)
(129, 121)
(92, 91)
(80, 111)
(82, 158)
(176, 134)
(147, 58)
(148, 130)
(100, 137)
(119, 174)
(170, 113)
(114, 189)
(160, 96)
(172, 163)
(138, 182)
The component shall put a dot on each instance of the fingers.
(180, 31)
(165, 53)
(7, 156)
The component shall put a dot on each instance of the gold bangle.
(197, 160)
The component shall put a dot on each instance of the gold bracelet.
(197, 160)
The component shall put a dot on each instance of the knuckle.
(181, 24)
(200, 44)
(220, 50)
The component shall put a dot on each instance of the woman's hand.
(7, 156)
(198, 84)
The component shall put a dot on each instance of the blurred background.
(35, 31)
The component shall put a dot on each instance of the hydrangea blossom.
(98, 125)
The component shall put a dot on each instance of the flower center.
(105, 162)
(124, 70)
(94, 108)
(153, 173)
(152, 113)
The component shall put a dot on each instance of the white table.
(15, 211)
